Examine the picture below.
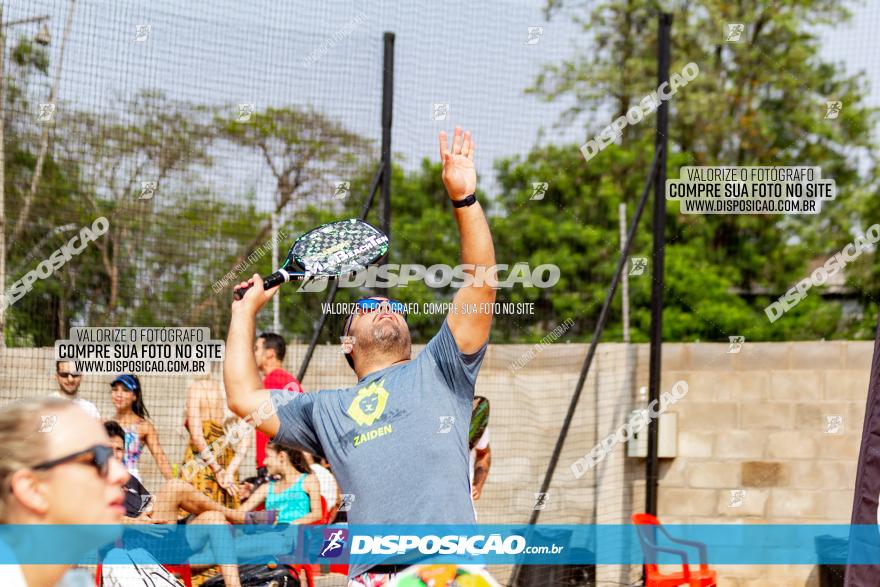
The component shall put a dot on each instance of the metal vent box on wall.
(667, 439)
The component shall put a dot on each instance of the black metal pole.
(661, 145)
(387, 109)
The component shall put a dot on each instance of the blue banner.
(758, 544)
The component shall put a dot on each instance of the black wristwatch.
(471, 199)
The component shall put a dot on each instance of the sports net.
(210, 139)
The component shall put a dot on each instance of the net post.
(661, 143)
(387, 109)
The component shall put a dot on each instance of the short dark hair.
(294, 455)
(58, 364)
(114, 429)
(275, 342)
(130, 382)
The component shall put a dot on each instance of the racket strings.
(338, 248)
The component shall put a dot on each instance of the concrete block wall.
(754, 422)
(768, 435)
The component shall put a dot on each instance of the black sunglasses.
(99, 454)
(65, 374)
(366, 305)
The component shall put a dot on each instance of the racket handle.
(269, 282)
(274, 280)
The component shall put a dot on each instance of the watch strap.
(471, 199)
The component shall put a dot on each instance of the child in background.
(293, 492)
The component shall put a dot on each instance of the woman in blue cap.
(131, 413)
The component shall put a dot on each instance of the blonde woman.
(56, 467)
(209, 440)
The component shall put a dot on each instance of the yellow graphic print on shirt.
(369, 403)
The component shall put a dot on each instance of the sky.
(472, 56)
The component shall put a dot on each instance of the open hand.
(459, 174)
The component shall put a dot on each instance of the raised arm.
(244, 390)
(471, 317)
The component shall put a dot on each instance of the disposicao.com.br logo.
(449, 544)
(334, 543)
(439, 276)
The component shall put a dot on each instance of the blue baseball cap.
(128, 381)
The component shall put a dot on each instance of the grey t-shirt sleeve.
(458, 369)
(296, 412)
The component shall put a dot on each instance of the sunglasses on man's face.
(66, 374)
(97, 456)
(368, 305)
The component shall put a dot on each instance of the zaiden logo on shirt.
(369, 403)
(367, 406)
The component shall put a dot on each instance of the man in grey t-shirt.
(398, 439)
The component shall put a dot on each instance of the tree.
(27, 64)
(304, 151)
(135, 173)
(758, 102)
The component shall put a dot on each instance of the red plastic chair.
(312, 571)
(183, 572)
(646, 527)
(306, 569)
(325, 513)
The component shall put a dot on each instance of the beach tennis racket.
(331, 251)
(479, 420)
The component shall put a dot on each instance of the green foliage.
(28, 53)
(757, 102)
